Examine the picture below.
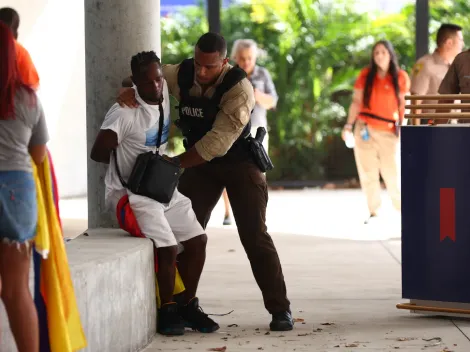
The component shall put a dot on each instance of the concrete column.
(422, 28)
(213, 15)
(115, 30)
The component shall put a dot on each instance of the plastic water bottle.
(349, 140)
(365, 133)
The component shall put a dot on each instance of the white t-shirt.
(137, 130)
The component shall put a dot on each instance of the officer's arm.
(235, 109)
(126, 95)
(421, 79)
(404, 84)
(449, 85)
(127, 82)
(190, 158)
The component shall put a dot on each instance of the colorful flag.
(59, 319)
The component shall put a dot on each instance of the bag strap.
(373, 116)
(124, 184)
(231, 78)
(160, 127)
(158, 142)
(186, 77)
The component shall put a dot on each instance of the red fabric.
(447, 213)
(126, 218)
(10, 79)
(128, 222)
(54, 186)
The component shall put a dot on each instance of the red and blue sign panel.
(435, 164)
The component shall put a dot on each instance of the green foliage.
(315, 49)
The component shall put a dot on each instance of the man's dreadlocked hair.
(142, 60)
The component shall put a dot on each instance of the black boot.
(170, 322)
(196, 319)
(282, 322)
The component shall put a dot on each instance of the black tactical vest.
(197, 114)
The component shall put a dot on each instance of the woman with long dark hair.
(377, 109)
(23, 138)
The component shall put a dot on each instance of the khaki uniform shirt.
(427, 75)
(235, 109)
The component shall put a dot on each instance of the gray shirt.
(28, 128)
(261, 80)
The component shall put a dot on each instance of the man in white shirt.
(131, 132)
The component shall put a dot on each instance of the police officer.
(456, 81)
(430, 70)
(215, 103)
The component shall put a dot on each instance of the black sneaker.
(282, 322)
(170, 322)
(196, 319)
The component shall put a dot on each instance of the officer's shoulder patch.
(417, 68)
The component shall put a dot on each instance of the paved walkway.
(343, 280)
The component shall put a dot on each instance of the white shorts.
(166, 224)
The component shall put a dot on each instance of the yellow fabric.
(41, 241)
(64, 325)
(179, 287)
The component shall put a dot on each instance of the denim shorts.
(18, 206)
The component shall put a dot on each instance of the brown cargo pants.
(247, 190)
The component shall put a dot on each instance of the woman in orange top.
(377, 110)
(26, 68)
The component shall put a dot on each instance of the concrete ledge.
(113, 276)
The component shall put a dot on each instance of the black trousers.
(248, 193)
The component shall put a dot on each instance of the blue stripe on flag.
(44, 344)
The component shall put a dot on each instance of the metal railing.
(443, 110)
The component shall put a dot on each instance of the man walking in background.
(431, 69)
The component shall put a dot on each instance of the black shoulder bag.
(152, 175)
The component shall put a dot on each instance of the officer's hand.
(127, 98)
(171, 160)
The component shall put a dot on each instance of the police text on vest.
(194, 112)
